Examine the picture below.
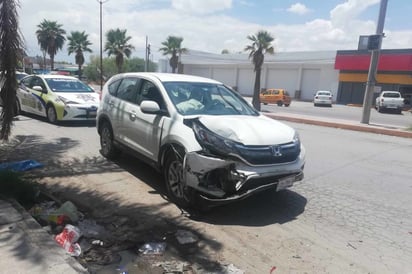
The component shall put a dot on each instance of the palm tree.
(10, 46)
(261, 44)
(118, 44)
(78, 43)
(173, 46)
(50, 37)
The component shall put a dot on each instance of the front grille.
(267, 155)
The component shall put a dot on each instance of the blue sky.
(214, 25)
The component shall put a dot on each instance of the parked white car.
(57, 97)
(323, 97)
(206, 139)
(389, 100)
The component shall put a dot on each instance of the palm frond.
(10, 46)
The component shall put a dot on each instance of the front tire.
(51, 114)
(108, 148)
(280, 103)
(177, 190)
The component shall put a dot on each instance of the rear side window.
(113, 87)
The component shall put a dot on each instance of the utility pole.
(146, 58)
(101, 2)
(370, 84)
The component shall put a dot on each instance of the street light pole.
(370, 84)
(101, 2)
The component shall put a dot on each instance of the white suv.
(207, 140)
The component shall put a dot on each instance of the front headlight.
(296, 139)
(211, 141)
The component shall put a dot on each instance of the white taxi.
(57, 97)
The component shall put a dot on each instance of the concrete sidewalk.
(25, 247)
(343, 124)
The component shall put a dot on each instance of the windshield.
(206, 99)
(67, 85)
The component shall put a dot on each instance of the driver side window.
(36, 81)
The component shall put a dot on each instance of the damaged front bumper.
(224, 180)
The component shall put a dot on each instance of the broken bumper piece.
(224, 180)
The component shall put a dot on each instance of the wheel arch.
(103, 119)
(169, 148)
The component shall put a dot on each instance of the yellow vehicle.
(275, 96)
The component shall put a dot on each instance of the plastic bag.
(21, 165)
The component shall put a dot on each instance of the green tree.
(117, 44)
(78, 43)
(261, 44)
(10, 46)
(50, 37)
(173, 46)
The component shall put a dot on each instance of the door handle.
(132, 115)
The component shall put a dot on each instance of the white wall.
(306, 77)
(282, 78)
(310, 83)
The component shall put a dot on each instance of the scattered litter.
(349, 244)
(20, 165)
(102, 256)
(97, 242)
(90, 228)
(231, 269)
(121, 270)
(172, 266)
(67, 209)
(68, 238)
(272, 269)
(186, 237)
(153, 248)
(296, 257)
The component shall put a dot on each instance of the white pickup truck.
(389, 100)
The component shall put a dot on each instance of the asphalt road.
(351, 214)
(344, 112)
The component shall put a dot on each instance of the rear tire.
(177, 190)
(286, 105)
(379, 109)
(108, 148)
(17, 108)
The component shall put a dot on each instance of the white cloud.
(298, 8)
(201, 7)
(209, 32)
(344, 14)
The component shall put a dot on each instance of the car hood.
(249, 130)
(80, 97)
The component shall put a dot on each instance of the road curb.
(363, 128)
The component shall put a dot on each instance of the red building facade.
(394, 73)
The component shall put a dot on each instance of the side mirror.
(151, 107)
(38, 88)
